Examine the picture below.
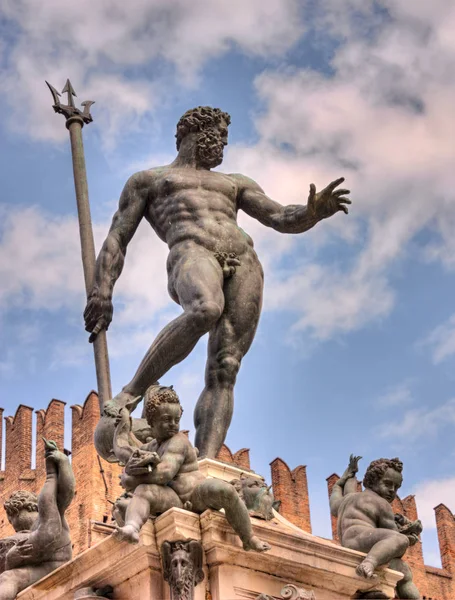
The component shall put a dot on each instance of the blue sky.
(356, 346)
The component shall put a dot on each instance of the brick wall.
(92, 495)
(50, 425)
(97, 482)
(18, 474)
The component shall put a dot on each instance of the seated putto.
(366, 521)
(42, 541)
(164, 473)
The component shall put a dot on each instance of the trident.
(75, 120)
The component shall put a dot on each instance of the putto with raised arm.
(42, 541)
(366, 521)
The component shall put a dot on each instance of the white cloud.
(327, 303)
(419, 424)
(431, 493)
(95, 43)
(40, 269)
(396, 396)
(40, 264)
(7, 363)
(384, 119)
(441, 341)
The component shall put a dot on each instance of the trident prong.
(54, 93)
(69, 110)
(69, 88)
(87, 104)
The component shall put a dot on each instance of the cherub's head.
(384, 477)
(22, 510)
(163, 411)
(209, 127)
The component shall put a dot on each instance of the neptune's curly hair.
(377, 468)
(199, 119)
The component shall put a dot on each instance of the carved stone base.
(225, 471)
(135, 572)
(291, 592)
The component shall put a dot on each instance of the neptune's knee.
(226, 368)
(205, 315)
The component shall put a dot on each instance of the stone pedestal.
(135, 572)
(224, 471)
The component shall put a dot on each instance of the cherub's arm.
(49, 515)
(352, 484)
(386, 520)
(347, 484)
(20, 555)
(294, 218)
(335, 499)
(411, 529)
(149, 446)
(171, 461)
(66, 483)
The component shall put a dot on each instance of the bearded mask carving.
(182, 567)
(256, 495)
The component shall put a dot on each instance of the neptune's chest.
(184, 182)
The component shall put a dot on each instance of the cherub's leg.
(406, 588)
(382, 546)
(14, 581)
(217, 494)
(148, 499)
(10, 583)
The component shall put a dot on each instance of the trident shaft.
(75, 120)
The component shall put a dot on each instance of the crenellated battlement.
(50, 425)
(18, 443)
(445, 524)
(240, 459)
(97, 485)
(291, 489)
